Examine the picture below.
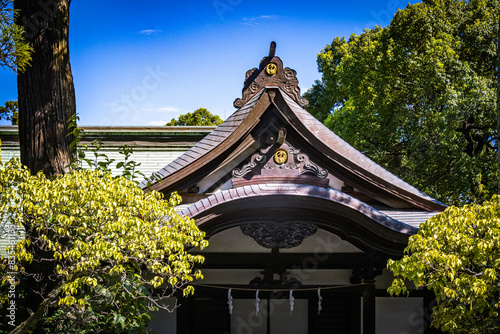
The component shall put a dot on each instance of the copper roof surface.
(343, 149)
(328, 194)
(210, 142)
(355, 167)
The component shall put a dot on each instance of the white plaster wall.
(385, 280)
(164, 322)
(244, 318)
(295, 322)
(399, 315)
(234, 241)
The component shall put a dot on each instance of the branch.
(30, 324)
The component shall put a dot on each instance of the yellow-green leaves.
(110, 242)
(456, 255)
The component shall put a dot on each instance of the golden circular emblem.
(280, 156)
(271, 68)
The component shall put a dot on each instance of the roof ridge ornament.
(271, 73)
(272, 49)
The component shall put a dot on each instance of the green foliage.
(100, 161)
(418, 96)
(200, 117)
(456, 254)
(95, 322)
(117, 251)
(128, 168)
(10, 112)
(130, 171)
(15, 53)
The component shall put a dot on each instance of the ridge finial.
(272, 49)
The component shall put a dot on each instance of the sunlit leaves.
(199, 117)
(418, 96)
(112, 243)
(456, 255)
(15, 52)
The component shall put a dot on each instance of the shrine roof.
(260, 190)
(211, 141)
(271, 95)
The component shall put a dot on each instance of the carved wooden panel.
(279, 235)
(280, 160)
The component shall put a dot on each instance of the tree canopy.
(15, 53)
(418, 96)
(456, 254)
(10, 112)
(200, 117)
(115, 252)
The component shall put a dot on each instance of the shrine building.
(300, 224)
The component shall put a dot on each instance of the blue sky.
(144, 63)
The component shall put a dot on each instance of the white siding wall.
(9, 153)
(151, 160)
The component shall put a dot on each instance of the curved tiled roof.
(260, 190)
(412, 218)
(362, 172)
(210, 142)
(343, 149)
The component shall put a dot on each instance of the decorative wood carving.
(297, 161)
(255, 161)
(275, 276)
(271, 73)
(279, 235)
(280, 160)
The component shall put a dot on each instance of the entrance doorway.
(208, 312)
(274, 316)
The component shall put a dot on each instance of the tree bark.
(30, 324)
(46, 98)
(45, 90)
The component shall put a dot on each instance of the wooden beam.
(295, 260)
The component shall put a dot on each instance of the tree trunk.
(45, 90)
(46, 105)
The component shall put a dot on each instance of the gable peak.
(271, 73)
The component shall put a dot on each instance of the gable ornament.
(271, 73)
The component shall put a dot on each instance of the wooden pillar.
(183, 312)
(369, 307)
(366, 274)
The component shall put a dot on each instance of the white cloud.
(150, 108)
(170, 109)
(269, 17)
(149, 32)
(145, 113)
(254, 21)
